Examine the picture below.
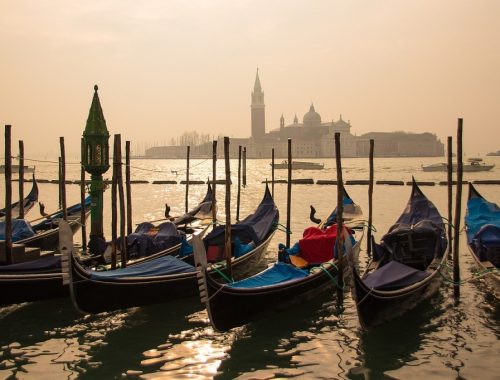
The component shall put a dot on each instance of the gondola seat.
(487, 244)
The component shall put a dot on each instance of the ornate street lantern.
(95, 159)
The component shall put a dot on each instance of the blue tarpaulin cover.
(479, 213)
(278, 273)
(254, 227)
(156, 267)
(48, 222)
(394, 275)
(21, 229)
(44, 264)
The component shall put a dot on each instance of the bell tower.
(258, 110)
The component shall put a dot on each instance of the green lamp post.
(95, 159)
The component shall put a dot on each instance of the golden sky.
(165, 66)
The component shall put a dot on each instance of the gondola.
(41, 279)
(482, 222)
(28, 202)
(351, 211)
(167, 278)
(45, 233)
(405, 266)
(293, 279)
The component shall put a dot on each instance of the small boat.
(28, 202)
(41, 278)
(299, 165)
(405, 266)
(44, 234)
(167, 277)
(299, 275)
(482, 222)
(350, 212)
(474, 165)
(15, 169)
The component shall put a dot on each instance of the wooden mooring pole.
(214, 178)
(21, 179)
(244, 166)
(450, 194)
(128, 187)
(62, 179)
(188, 149)
(370, 201)
(121, 197)
(272, 172)
(289, 194)
(340, 210)
(458, 208)
(82, 202)
(227, 244)
(8, 195)
(114, 214)
(239, 185)
(59, 183)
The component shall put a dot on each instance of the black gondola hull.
(90, 296)
(30, 287)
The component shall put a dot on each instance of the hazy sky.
(165, 67)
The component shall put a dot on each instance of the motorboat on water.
(299, 165)
(473, 165)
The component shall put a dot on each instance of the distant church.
(311, 138)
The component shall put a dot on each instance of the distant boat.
(474, 165)
(15, 169)
(302, 165)
(497, 153)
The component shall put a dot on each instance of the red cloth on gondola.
(317, 246)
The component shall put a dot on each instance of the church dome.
(312, 117)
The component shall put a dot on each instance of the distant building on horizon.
(312, 138)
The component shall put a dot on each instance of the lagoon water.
(437, 340)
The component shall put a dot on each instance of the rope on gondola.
(475, 275)
(282, 228)
(222, 274)
(333, 278)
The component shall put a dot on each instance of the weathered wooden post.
(458, 208)
(82, 203)
(59, 176)
(187, 178)
(227, 244)
(272, 172)
(114, 214)
(340, 230)
(370, 201)
(244, 166)
(239, 185)
(214, 179)
(8, 195)
(450, 194)
(289, 194)
(121, 196)
(62, 180)
(21, 179)
(128, 187)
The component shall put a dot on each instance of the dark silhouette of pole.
(21, 179)
(244, 166)
(59, 183)
(272, 172)
(458, 208)
(187, 177)
(289, 194)
(62, 180)
(239, 185)
(114, 214)
(339, 242)
(227, 244)
(214, 180)
(450, 193)
(82, 202)
(121, 197)
(128, 187)
(370, 201)
(8, 195)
